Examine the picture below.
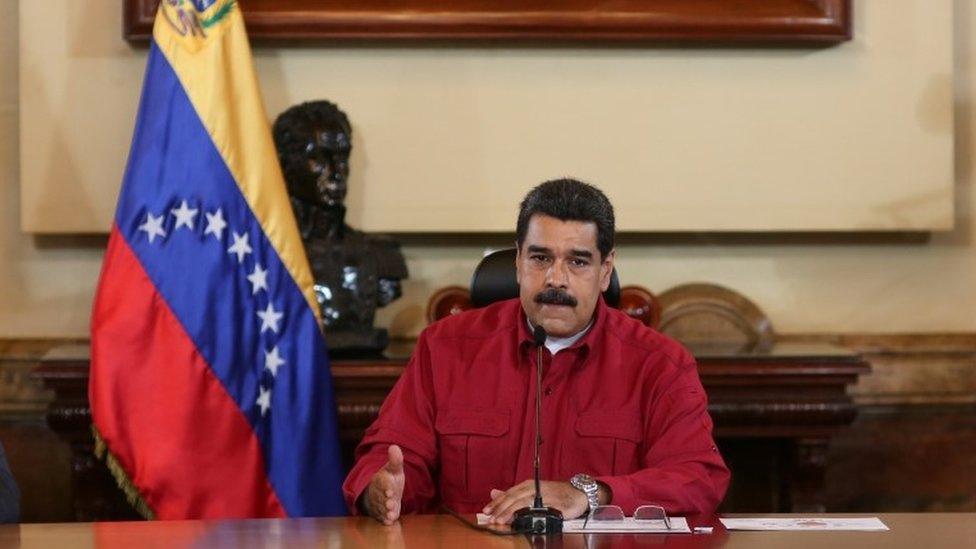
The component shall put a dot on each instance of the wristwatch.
(585, 483)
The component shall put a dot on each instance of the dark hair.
(293, 127)
(569, 200)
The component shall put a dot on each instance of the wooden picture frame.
(714, 22)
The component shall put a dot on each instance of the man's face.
(327, 161)
(560, 274)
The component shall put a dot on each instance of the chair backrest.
(494, 280)
(702, 314)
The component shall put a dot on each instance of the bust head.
(314, 140)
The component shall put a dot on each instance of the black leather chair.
(494, 280)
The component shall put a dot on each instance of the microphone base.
(538, 520)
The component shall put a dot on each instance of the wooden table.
(792, 394)
(931, 531)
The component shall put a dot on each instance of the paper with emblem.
(859, 524)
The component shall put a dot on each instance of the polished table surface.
(916, 530)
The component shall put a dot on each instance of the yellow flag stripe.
(214, 65)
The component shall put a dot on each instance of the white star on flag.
(153, 226)
(184, 215)
(258, 279)
(215, 224)
(273, 361)
(240, 247)
(264, 400)
(270, 318)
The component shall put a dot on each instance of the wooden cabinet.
(786, 400)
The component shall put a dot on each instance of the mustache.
(555, 296)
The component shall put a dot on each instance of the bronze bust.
(354, 272)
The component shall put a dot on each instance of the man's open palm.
(385, 490)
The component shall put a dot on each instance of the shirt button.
(548, 391)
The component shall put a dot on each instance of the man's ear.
(518, 270)
(606, 269)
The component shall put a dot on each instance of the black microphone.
(538, 519)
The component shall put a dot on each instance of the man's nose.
(558, 275)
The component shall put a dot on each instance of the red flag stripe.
(189, 405)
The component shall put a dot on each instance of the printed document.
(867, 524)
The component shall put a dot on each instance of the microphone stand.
(538, 519)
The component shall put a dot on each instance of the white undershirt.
(556, 344)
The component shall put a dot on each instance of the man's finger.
(393, 511)
(502, 499)
(495, 494)
(498, 497)
(503, 514)
(378, 491)
(514, 499)
(386, 510)
(394, 463)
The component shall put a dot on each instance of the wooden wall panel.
(779, 21)
(41, 464)
(905, 458)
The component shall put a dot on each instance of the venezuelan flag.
(210, 386)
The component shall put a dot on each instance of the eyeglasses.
(609, 513)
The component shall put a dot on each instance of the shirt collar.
(556, 344)
(584, 343)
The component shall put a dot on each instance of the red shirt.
(623, 404)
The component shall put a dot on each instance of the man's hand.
(561, 495)
(385, 491)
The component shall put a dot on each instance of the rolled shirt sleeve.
(407, 420)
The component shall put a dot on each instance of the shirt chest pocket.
(605, 443)
(474, 454)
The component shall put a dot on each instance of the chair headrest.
(494, 280)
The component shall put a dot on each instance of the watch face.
(581, 480)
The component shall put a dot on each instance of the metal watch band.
(589, 487)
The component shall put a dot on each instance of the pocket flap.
(471, 422)
(622, 425)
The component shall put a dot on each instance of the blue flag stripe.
(206, 285)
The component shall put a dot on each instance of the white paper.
(678, 526)
(867, 524)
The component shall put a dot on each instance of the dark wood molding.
(908, 369)
(892, 343)
(797, 394)
(790, 22)
(94, 496)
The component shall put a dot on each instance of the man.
(624, 417)
(9, 493)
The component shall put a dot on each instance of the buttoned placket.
(556, 372)
(525, 466)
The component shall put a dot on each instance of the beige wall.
(806, 285)
(45, 285)
(853, 137)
